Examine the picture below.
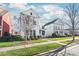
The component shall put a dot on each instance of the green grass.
(59, 38)
(75, 41)
(39, 41)
(31, 51)
(8, 44)
(66, 42)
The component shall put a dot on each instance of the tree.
(72, 11)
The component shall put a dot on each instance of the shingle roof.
(2, 11)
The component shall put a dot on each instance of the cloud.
(49, 8)
(53, 10)
(17, 6)
(21, 6)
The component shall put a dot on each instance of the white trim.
(2, 27)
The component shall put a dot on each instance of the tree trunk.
(73, 35)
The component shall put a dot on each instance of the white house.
(57, 27)
(29, 23)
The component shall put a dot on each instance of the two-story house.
(57, 28)
(29, 23)
(5, 23)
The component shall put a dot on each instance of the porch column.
(1, 28)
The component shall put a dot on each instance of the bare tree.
(72, 11)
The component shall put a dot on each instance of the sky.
(46, 11)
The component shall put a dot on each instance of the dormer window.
(31, 13)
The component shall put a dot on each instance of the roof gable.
(30, 12)
(2, 11)
(59, 22)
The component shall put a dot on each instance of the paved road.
(73, 51)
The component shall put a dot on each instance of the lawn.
(75, 41)
(8, 44)
(15, 43)
(66, 42)
(31, 50)
(59, 38)
(39, 41)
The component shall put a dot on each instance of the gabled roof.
(27, 12)
(2, 11)
(59, 22)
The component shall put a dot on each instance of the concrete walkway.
(30, 45)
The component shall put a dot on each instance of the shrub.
(6, 34)
(31, 37)
(11, 38)
(35, 37)
(6, 37)
(54, 35)
(38, 37)
(17, 38)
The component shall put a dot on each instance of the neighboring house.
(69, 32)
(57, 28)
(29, 23)
(5, 23)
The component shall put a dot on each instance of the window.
(40, 31)
(27, 20)
(30, 32)
(27, 32)
(43, 32)
(34, 33)
(31, 13)
(34, 22)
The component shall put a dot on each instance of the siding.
(7, 23)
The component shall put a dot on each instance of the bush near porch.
(11, 38)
